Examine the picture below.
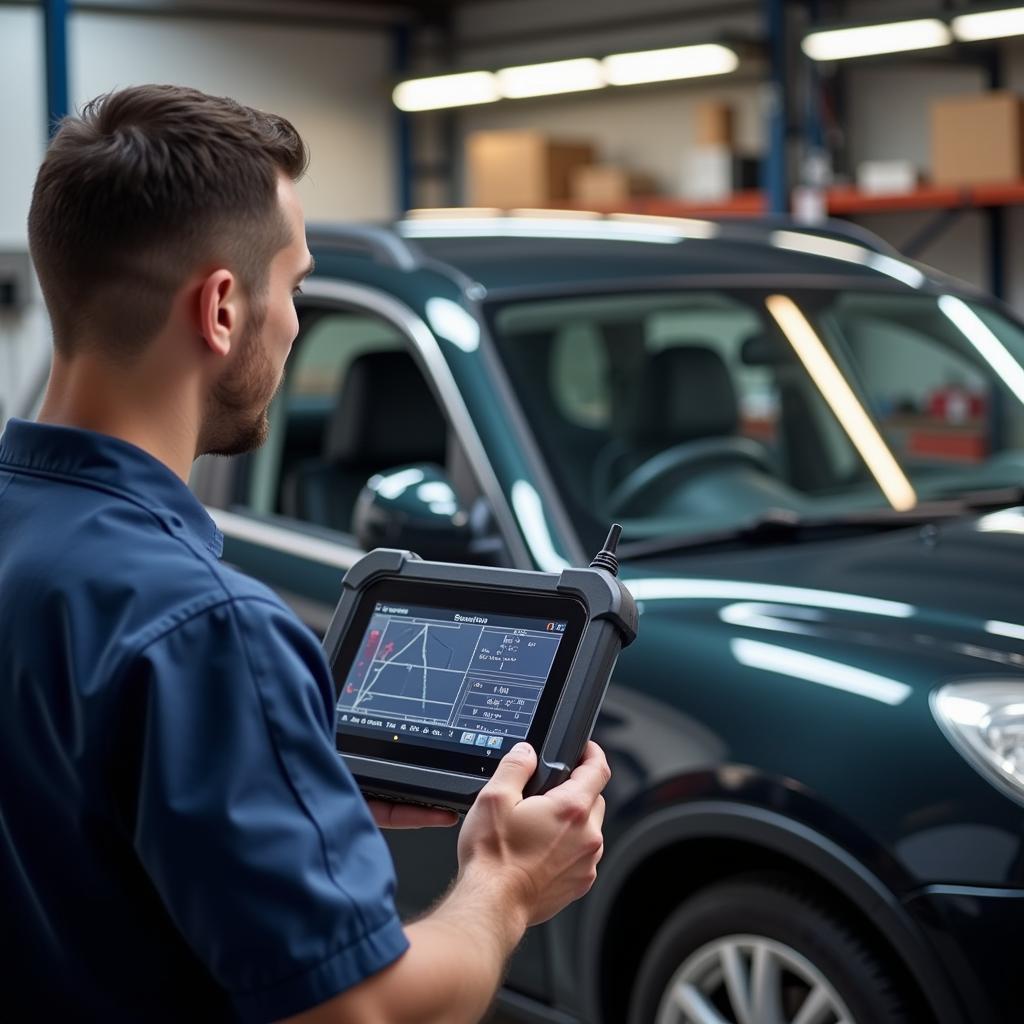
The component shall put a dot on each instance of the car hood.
(964, 575)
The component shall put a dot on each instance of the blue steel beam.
(403, 126)
(55, 30)
(774, 171)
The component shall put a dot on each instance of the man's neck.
(158, 416)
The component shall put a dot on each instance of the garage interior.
(530, 153)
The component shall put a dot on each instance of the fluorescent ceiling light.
(989, 24)
(992, 350)
(867, 40)
(843, 402)
(441, 91)
(670, 64)
(548, 79)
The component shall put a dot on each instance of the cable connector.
(605, 558)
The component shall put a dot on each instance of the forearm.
(458, 953)
(449, 974)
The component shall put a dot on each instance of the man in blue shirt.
(178, 838)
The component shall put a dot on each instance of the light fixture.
(670, 64)
(558, 76)
(578, 74)
(843, 402)
(868, 40)
(1009, 21)
(440, 91)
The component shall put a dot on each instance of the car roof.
(536, 251)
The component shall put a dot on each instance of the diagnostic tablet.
(440, 669)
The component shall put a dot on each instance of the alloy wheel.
(750, 979)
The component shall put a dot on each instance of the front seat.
(681, 424)
(384, 416)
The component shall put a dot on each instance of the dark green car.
(816, 450)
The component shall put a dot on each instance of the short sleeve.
(249, 825)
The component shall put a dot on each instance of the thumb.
(515, 769)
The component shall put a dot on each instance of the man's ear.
(218, 310)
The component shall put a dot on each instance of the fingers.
(514, 771)
(587, 781)
(389, 815)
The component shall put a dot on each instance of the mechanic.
(178, 838)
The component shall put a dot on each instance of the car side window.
(353, 403)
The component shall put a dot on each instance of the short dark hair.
(141, 189)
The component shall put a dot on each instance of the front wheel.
(761, 950)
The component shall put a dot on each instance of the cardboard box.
(522, 168)
(605, 185)
(977, 139)
(714, 124)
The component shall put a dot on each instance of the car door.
(355, 400)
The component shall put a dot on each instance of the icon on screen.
(551, 627)
(469, 738)
(494, 741)
(344, 718)
(481, 739)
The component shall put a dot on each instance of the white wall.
(23, 336)
(331, 83)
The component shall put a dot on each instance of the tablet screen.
(453, 683)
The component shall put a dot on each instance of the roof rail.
(840, 230)
(378, 243)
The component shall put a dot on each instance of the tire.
(768, 927)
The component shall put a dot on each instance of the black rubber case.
(611, 625)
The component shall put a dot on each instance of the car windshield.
(691, 412)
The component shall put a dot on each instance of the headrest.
(385, 413)
(686, 393)
(766, 349)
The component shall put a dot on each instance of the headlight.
(985, 722)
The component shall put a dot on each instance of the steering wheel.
(686, 460)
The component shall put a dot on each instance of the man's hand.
(546, 847)
(389, 815)
(520, 862)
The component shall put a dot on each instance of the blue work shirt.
(178, 838)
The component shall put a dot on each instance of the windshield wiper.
(986, 499)
(781, 526)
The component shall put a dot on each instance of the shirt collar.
(100, 460)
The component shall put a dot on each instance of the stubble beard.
(231, 426)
